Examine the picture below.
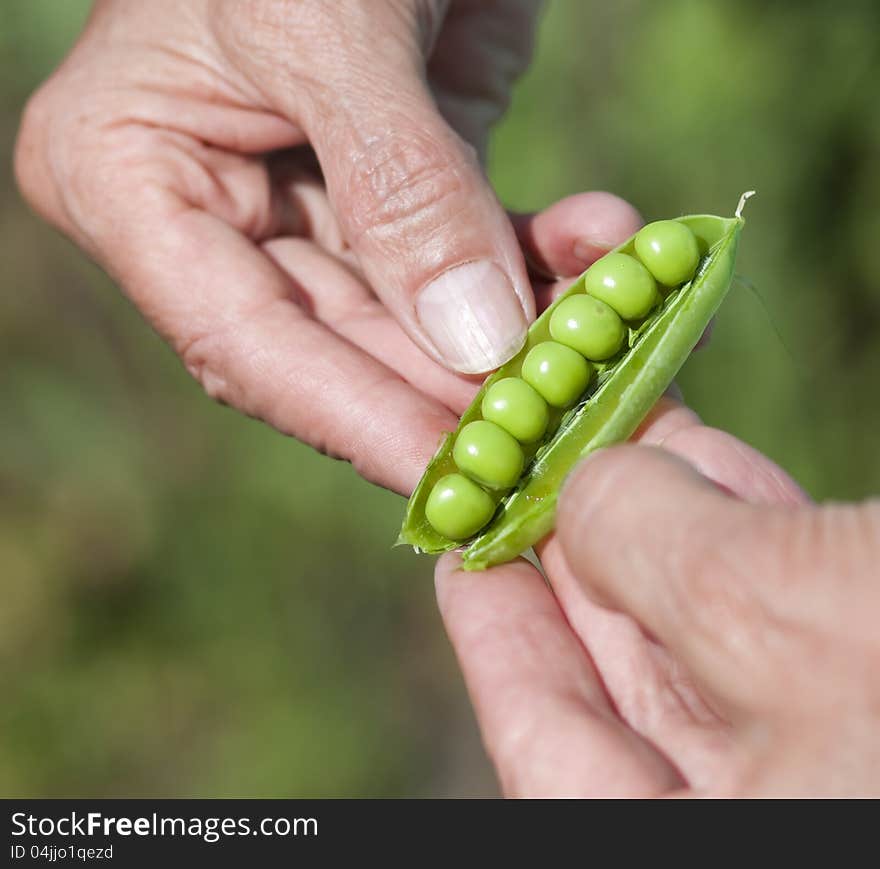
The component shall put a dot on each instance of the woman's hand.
(711, 634)
(291, 193)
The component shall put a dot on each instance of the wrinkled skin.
(277, 185)
(271, 182)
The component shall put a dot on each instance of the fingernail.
(473, 317)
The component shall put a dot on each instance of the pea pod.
(622, 391)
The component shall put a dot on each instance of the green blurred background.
(191, 604)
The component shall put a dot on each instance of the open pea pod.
(610, 410)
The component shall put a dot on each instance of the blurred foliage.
(191, 604)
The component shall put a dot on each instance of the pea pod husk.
(626, 389)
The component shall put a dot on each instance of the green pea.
(623, 283)
(557, 372)
(517, 408)
(669, 251)
(457, 507)
(488, 454)
(641, 370)
(587, 325)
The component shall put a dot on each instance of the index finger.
(543, 712)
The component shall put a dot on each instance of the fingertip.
(574, 232)
(604, 221)
(615, 493)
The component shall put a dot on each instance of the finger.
(646, 534)
(719, 456)
(298, 188)
(339, 299)
(227, 310)
(545, 719)
(416, 207)
(734, 465)
(650, 689)
(571, 234)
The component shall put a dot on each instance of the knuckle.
(745, 589)
(246, 26)
(834, 549)
(403, 185)
(105, 175)
(203, 357)
(820, 607)
(30, 157)
(65, 167)
(259, 34)
(838, 540)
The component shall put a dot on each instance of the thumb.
(413, 202)
(646, 534)
(639, 526)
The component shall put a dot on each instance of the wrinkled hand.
(291, 193)
(705, 638)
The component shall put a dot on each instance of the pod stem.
(742, 202)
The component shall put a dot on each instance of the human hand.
(291, 193)
(704, 639)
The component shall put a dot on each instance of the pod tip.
(742, 202)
